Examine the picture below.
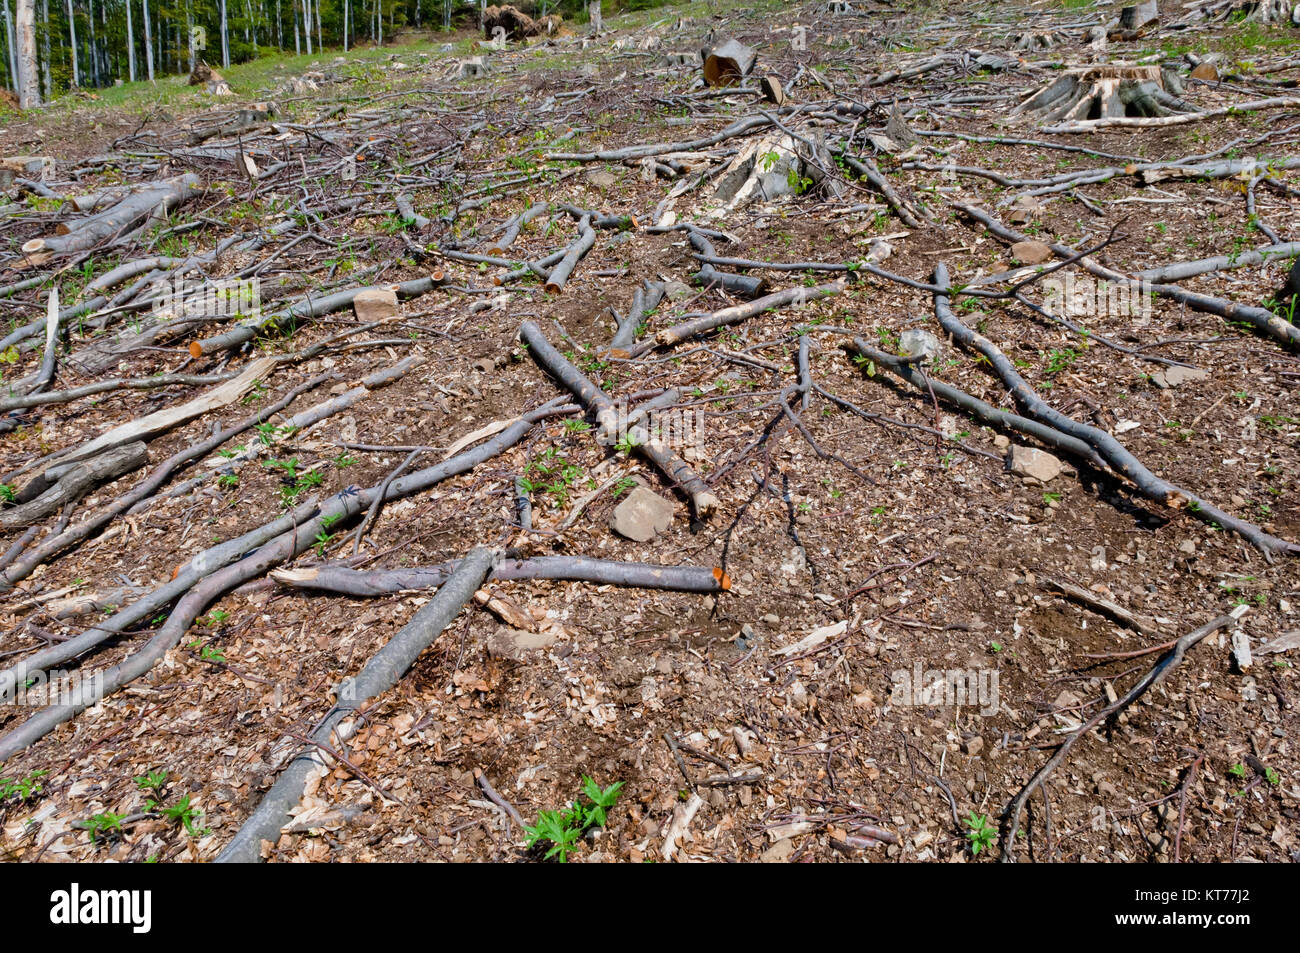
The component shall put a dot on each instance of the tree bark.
(29, 95)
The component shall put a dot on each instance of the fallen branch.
(58, 542)
(1152, 678)
(378, 675)
(1111, 450)
(796, 296)
(607, 572)
(607, 418)
(1262, 319)
(66, 483)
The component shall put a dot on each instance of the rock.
(918, 343)
(798, 694)
(973, 746)
(1207, 72)
(1187, 547)
(1241, 649)
(375, 304)
(1001, 441)
(778, 853)
(1032, 463)
(896, 127)
(1173, 376)
(1066, 699)
(1031, 253)
(642, 516)
(1024, 210)
(677, 290)
(515, 643)
(601, 179)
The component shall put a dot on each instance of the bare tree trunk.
(225, 38)
(306, 24)
(148, 43)
(346, 11)
(92, 65)
(10, 59)
(189, 33)
(72, 42)
(46, 80)
(130, 43)
(29, 94)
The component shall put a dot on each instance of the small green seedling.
(153, 781)
(563, 830)
(981, 835)
(21, 788)
(102, 825)
(184, 812)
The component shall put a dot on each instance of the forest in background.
(96, 43)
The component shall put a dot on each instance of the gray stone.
(1241, 650)
(642, 516)
(600, 179)
(918, 343)
(1033, 464)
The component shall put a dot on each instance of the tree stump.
(1257, 11)
(728, 63)
(1103, 92)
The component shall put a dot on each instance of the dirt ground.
(899, 527)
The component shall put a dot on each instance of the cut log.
(69, 482)
(612, 572)
(727, 64)
(515, 25)
(130, 212)
(772, 90)
(1103, 92)
(204, 75)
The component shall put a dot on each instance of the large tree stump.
(1103, 92)
(727, 64)
(1258, 11)
(516, 25)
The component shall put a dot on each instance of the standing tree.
(28, 92)
(130, 43)
(148, 42)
